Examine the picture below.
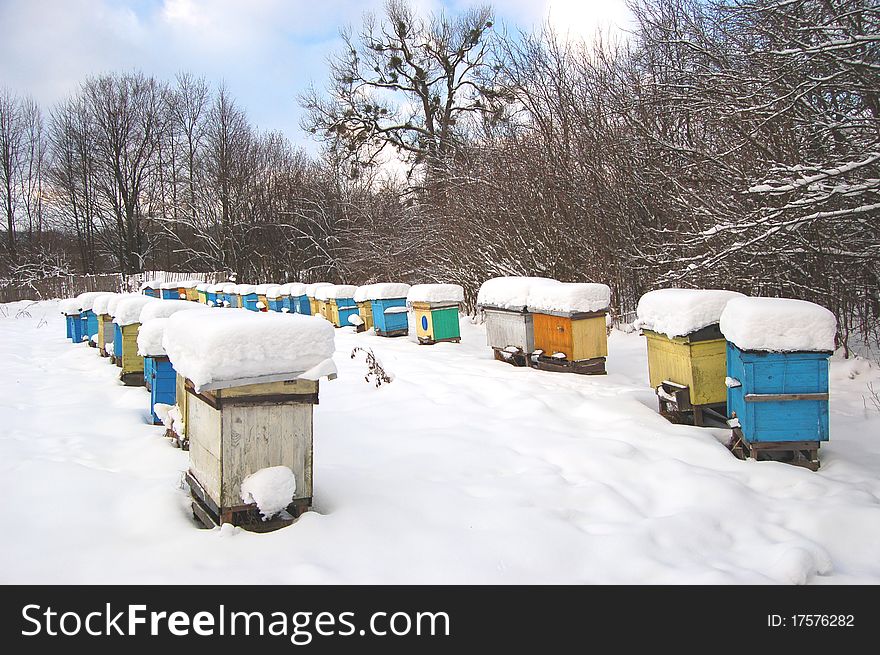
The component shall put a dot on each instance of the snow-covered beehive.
(114, 347)
(777, 376)
(88, 317)
(436, 312)
(152, 311)
(150, 288)
(383, 305)
(71, 309)
(127, 319)
(687, 359)
(279, 297)
(503, 302)
(311, 289)
(169, 291)
(570, 326)
(105, 322)
(299, 301)
(336, 303)
(250, 381)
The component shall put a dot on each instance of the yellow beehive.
(365, 311)
(132, 373)
(697, 361)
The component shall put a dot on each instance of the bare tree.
(405, 83)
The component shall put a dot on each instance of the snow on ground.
(462, 470)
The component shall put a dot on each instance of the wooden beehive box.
(234, 431)
(687, 358)
(105, 333)
(436, 322)
(778, 354)
(365, 311)
(697, 362)
(510, 334)
(782, 397)
(170, 291)
(390, 317)
(436, 312)
(580, 336)
(162, 384)
(569, 322)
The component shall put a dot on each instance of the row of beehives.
(235, 388)
(758, 365)
(382, 306)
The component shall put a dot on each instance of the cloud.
(265, 51)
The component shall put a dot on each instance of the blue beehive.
(212, 295)
(90, 323)
(72, 310)
(163, 388)
(781, 397)
(169, 291)
(275, 297)
(777, 375)
(117, 344)
(148, 372)
(249, 297)
(299, 300)
(390, 317)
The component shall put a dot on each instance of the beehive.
(127, 321)
(504, 305)
(778, 354)
(336, 303)
(436, 312)
(570, 326)
(237, 426)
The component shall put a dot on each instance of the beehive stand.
(798, 453)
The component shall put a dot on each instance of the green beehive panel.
(445, 323)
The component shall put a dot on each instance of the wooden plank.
(589, 338)
(553, 335)
(778, 397)
(259, 437)
(242, 383)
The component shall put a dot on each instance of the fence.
(68, 286)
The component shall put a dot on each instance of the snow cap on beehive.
(334, 291)
(211, 347)
(202, 286)
(98, 302)
(311, 288)
(87, 299)
(297, 289)
(99, 306)
(166, 308)
(128, 310)
(149, 284)
(381, 291)
(70, 306)
(510, 292)
(569, 297)
(450, 293)
(678, 312)
(113, 303)
(169, 285)
(778, 325)
(149, 339)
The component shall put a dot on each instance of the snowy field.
(462, 470)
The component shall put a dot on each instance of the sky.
(265, 51)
